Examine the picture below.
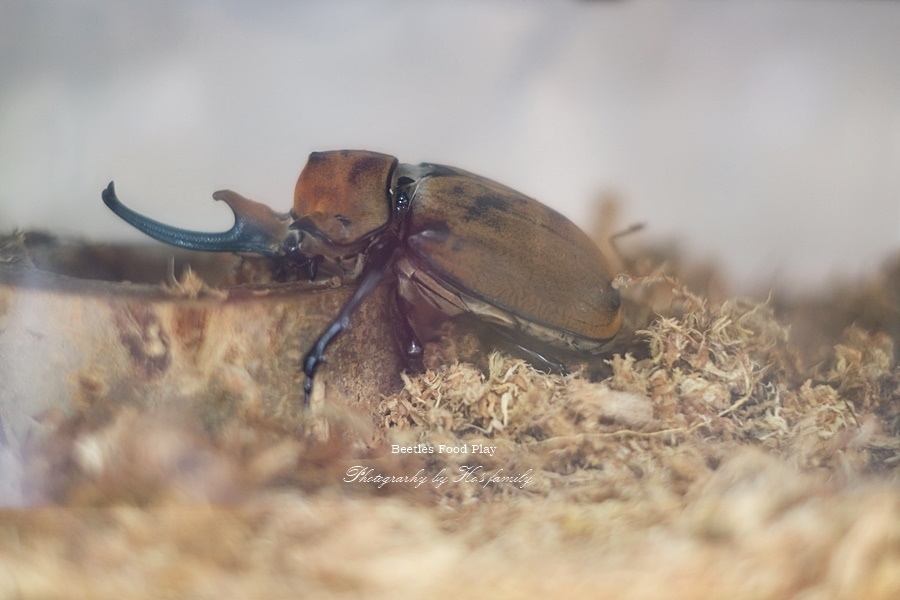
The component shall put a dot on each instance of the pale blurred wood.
(69, 341)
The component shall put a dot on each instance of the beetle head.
(342, 201)
(343, 197)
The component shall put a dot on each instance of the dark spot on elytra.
(481, 208)
(495, 202)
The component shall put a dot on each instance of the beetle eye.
(402, 202)
(402, 194)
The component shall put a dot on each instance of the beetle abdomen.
(418, 283)
(513, 253)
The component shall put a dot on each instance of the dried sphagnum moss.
(716, 377)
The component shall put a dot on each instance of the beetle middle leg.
(403, 314)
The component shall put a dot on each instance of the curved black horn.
(257, 228)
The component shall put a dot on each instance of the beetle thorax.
(343, 197)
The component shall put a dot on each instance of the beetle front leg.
(316, 354)
(381, 257)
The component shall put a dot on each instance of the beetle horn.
(257, 228)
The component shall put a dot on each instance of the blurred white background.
(763, 134)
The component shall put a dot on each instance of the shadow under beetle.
(448, 240)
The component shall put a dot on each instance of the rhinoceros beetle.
(447, 239)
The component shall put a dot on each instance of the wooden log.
(72, 342)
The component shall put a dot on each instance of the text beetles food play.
(445, 238)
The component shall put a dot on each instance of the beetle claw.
(414, 350)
